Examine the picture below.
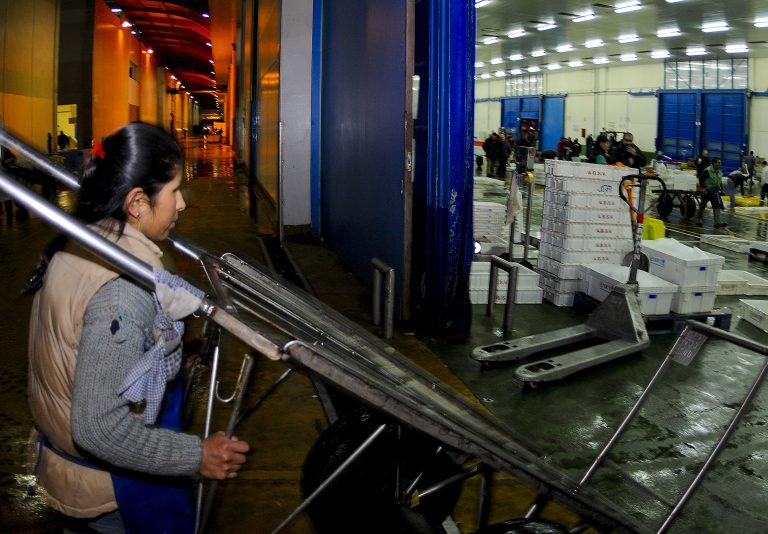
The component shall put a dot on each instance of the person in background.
(750, 161)
(736, 179)
(62, 140)
(576, 150)
(491, 149)
(712, 182)
(503, 152)
(602, 150)
(764, 183)
(590, 144)
(627, 153)
(702, 162)
(104, 355)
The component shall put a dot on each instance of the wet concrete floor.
(567, 421)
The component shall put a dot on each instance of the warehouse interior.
(318, 217)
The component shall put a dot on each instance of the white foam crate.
(584, 243)
(573, 228)
(525, 296)
(680, 264)
(560, 285)
(587, 215)
(559, 270)
(694, 299)
(480, 274)
(559, 299)
(681, 180)
(585, 200)
(755, 312)
(727, 242)
(580, 257)
(655, 295)
(574, 169)
(755, 284)
(731, 283)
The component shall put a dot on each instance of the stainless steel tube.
(39, 160)
(382, 270)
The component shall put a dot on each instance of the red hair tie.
(97, 151)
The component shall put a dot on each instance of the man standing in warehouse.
(711, 181)
(628, 153)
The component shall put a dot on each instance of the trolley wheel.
(664, 205)
(362, 498)
(688, 206)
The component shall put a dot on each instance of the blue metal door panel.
(510, 114)
(553, 111)
(362, 163)
(677, 118)
(723, 126)
(529, 107)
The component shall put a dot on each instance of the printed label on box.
(661, 262)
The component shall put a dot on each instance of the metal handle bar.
(639, 178)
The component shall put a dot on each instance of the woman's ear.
(133, 201)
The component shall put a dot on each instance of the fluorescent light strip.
(696, 51)
(628, 57)
(715, 27)
(534, 68)
(668, 32)
(576, 63)
(564, 48)
(496, 61)
(516, 57)
(515, 34)
(762, 22)
(600, 60)
(594, 43)
(516, 71)
(583, 18)
(544, 26)
(737, 49)
(491, 40)
(628, 38)
(538, 53)
(481, 3)
(485, 76)
(660, 54)
(479, 64)
(499, 73)
(627, 7)
(553, 66)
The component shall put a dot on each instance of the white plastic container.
(525, 296)
(755, 312)
(685, 266)
(727, 242)
(655, 295)
(693, 300)
(579, 257)
(480, 274)
(584, 243)
(575, 228)
(574, 169)
(588, 215)
(559, 299)
(731, 283)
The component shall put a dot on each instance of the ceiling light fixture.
(116, 10)
(762, 22)
(696, 51)
(668, 32)
(485, 76)
(628, 57)
(576, 63)
(660, 54)
(499, 73)
(206, 15)
(564, 48)
(538, 53)
(496, 61)
(585, 17)
(126, 24)
(481, 3)
(516, 57)
(516, 71)
(516, 33)
(553, 66)
(626, 7)
(713, 27)
(491, 40)
(600, 60)
(737, 49)
(594, 43)
(674, 1)
(209, 43)
(479, 64)
(631, 38)
(534, 68)
(150, 51)
(544, 26)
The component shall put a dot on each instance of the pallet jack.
(617, 325)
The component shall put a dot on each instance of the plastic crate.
(693, 300)
(559, 270)
(480, 274)
(525, 296)
(585, 200)
(595, 244)
(588, 215)
(575, 228)
(727, 242)
(655, 295)
(573, 169)
(685, 266)
(731, 283)
(559, 299)
(755, 312)
(580, 256)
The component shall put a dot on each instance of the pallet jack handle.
(628, 182)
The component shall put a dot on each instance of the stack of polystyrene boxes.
(693, 270)
(528, 290)
(585, 221)
(488, 220)
(654, 294)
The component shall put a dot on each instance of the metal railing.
(383, 275)
(511, 268)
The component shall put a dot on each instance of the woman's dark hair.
(601, 138)
(136, 155)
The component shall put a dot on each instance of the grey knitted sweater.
(116, 323)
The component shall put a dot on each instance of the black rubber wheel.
(362, 498)
(664, 205)
(688, 207)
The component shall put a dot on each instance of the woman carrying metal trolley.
(104, 386)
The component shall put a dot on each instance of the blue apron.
(154, 504)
